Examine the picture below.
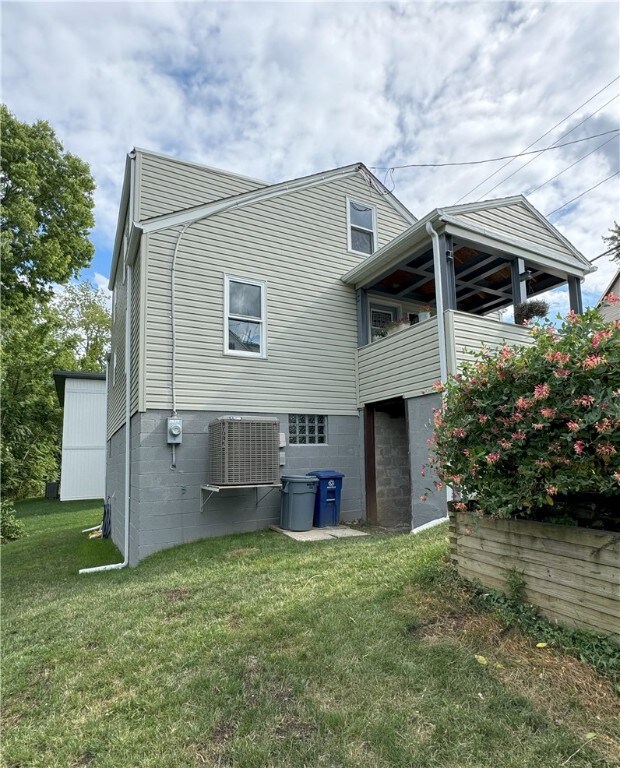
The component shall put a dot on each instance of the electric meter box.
(175, 431)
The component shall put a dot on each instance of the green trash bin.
(297, 502)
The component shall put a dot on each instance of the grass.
(254, 650)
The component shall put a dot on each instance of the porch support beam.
(446, 264)
(518, 278)
(574, 294)
(361, 300)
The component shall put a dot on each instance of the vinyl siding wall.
(168, 185)
(611, 312)
(405, 364)
(519, 222)
(472, 332)
(297, 244)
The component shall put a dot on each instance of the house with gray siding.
(608, 310)
(232, 297)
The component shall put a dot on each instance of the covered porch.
(465, 264)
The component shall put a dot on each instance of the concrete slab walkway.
(321, 534)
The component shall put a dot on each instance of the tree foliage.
(523, 426)
(613, 241)
(86, 324)
(46, 211)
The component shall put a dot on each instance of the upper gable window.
(245, 317)
(362, 225)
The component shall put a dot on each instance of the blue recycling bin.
(327, 500)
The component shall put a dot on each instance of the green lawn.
(254, 650)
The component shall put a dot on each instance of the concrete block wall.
(392, 471)
(166, 500)
(420, 428)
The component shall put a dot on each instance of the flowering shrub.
(524, 425)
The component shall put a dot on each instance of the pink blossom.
(585, 400)
(592, 361)
(506, 352)
(439, 387)
(469, 530)
(543, 463)
(562, 460)
(574, 426)
(617, 476)
(541, 391)
(493, 457)
(601, 336)
(459, 432)
(605, 450)
(552, 490)
(603, 426)
(506, 444)
(483, 418)
(460, 506)
(518, 435)
(438, 484)
(573, 317)
(517, 416)
(423, 497)
(579, 446)
(548, 413)
(611, 298)
(561, 373)
(524, 403)
(423, 471)
(538, 426)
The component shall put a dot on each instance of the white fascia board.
(186, 216)
(544, 257)
(120, 225)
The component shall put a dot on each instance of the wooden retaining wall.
(571, 574)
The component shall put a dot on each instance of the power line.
(585, 120)
(582, 194)
(568, 167)
(600, 256)
(493, 159)
(611, 82)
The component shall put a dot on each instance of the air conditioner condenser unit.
(244, 450)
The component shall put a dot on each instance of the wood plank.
(599, 575)
(539, 543)
(489, 577)
(574, 592)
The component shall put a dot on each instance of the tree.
(613, 241)
(46, 211)
(31, 419)
(86, 324)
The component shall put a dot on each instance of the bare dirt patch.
(177, 595)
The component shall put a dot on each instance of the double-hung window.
(362, 225)
(245, 317)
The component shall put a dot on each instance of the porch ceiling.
(483, 280)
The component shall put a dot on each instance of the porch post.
(574, 294)
(519, 288)
(448, 280)
(362, 317)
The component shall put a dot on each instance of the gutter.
(127, 494)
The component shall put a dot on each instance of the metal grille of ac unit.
(244, 451)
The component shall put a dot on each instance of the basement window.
(362, 226)
(307, 430)
(245, 317)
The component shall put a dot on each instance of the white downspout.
(127, 494)
(441, 329)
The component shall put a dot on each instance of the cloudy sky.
(280, 90)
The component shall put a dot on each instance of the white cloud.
(279, 90)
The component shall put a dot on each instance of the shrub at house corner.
(525, 427)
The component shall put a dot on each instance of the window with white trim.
(304, 429)
(362, 225)
(245, 317)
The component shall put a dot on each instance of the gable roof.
(510, 224)
(187, 216)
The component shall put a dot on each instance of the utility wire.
(510, 175)
(582, 194)
(568, 167)
(611, 82)
(600, 256)
(493, 159)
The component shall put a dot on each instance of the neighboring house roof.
(185, 217)
(614, 279)
(510, 223)
(60, 378)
